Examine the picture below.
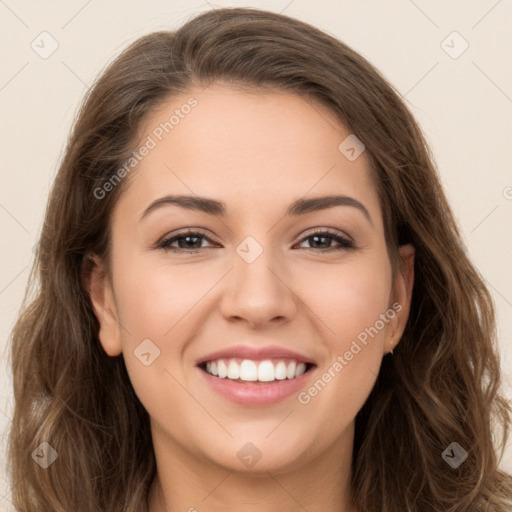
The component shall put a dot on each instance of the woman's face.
(261, 280)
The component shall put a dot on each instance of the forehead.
(250, 148)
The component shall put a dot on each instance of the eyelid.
(343, 240)
(330, 231)
(185, 232)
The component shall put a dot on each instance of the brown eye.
(322, 241)
(187, 241)
(192, 242)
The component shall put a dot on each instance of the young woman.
(252, 294)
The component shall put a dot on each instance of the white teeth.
(290, 372)
(233, 370)
(266, 372)
(280, 371)
(301, 368)
(247, 370)
(223, 371)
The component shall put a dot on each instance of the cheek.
(154, 299)
(350, 303)
(158, 304)
(348, 297)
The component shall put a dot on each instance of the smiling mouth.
(256, 372)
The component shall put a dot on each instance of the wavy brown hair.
(440, 386)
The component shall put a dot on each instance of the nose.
(259, 292)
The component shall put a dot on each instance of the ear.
(98, 285)
(401, 296)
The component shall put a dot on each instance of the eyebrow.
(301, 206)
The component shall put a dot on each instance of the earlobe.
(401, 295)
(99, 287)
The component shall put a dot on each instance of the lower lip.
(254, 394)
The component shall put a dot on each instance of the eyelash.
(345, 243)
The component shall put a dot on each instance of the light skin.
(256, 151)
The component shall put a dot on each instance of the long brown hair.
(440, 386)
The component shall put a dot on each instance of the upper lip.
(255, 353)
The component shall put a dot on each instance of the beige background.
(464, 105)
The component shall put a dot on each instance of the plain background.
(463, 103)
